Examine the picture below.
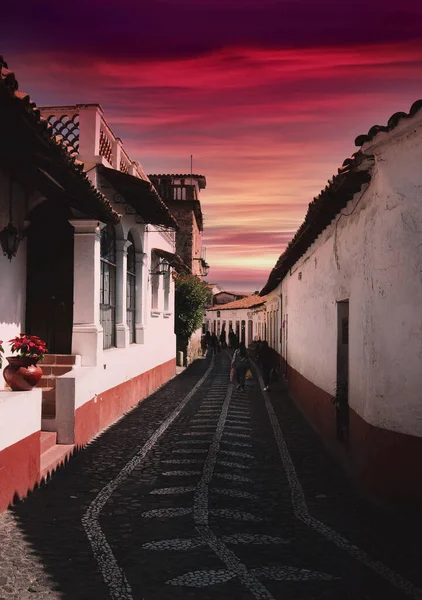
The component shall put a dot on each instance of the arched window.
(131, 291)
(108, 286)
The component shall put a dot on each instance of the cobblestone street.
(206, 492)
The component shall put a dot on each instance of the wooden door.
(49, 291)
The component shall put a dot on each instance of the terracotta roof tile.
(322, 210)
(60, 154)
(142, 195)
(354, 173)
(393, 121)
(248, 302)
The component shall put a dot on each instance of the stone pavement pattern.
(206, 492)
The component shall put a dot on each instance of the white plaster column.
(141, 273)
(117, 153)
(87, 338)
(89, 133)
(122, 330)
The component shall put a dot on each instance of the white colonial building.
(246, 317)
(92, 276)
(349, 325)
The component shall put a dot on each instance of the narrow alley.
(203, 491)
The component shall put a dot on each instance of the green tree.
(192, 296)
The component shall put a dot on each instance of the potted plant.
(23, 373)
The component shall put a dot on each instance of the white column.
(87, 338)
(122, 330)
(117, 153)
(141, 273)
(89, 133)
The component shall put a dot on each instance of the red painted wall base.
(107, 407)
(385, 462)
(19, 469)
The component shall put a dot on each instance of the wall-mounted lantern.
(10, 236)
(204, 266)
(163, 268)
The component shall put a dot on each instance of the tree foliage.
(192, 296)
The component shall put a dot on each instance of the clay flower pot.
(22, 373)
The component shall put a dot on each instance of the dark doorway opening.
(342, 385)
(243, 332)
(49, 289)
(250, 331)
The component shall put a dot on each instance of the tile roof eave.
(255, 301)
(289, 257)
(354, 173)
(29, 111)
(392, 123)
(119, 180)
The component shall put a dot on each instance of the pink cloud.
(267, 127)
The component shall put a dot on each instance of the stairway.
(52, 366)
(52, 454)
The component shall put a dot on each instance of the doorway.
(342, 385)
(49, 281)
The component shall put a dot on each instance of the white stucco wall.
(117, 365)
(12, 273)
(373, 258)
(20, 415)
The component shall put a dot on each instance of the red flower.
(28, 345)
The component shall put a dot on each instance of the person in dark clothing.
(214, 343)
(223, 338)
(233, 339)
(266, 358)
(207, 343)
(240, 363)
(204, 343)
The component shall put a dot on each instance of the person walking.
(223, 338)
(266, 358)
(204, 342)
(233, 341)
(240, 363)
(214, 343)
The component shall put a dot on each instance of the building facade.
(181, 194)
(92, 276)
(349, 323)
(246, 317)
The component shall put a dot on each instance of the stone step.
(47, 382)
(53, 458)
(48, 406)
(59, 359)
(48, 440)
(52, 369)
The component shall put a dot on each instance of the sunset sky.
(267, 95)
